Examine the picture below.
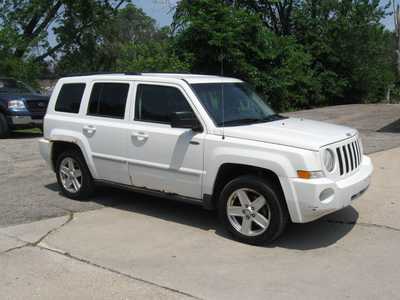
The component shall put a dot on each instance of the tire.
(4, 129)
(258, 223)
(74, 161)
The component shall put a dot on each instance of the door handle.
(140, 136)
(89, 129)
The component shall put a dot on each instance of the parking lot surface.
(122, 245)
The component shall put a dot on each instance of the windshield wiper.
(270, 118)
(241, 121)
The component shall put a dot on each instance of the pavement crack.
(50, 232)
(85, 261)
(363, 224)
(15, 248)
(36, 243)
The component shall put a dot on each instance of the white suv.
(207, 140)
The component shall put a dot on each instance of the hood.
(27, 96)
(295, 132)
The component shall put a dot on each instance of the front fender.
(282, 160)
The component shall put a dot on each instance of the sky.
(160, 10)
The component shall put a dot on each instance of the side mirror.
(185, 119)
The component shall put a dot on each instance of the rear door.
(105, 127)
(160, 157)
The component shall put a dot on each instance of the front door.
(160, 157)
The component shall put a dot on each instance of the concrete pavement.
(153, 248)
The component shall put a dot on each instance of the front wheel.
(252, 210)
(73, 175)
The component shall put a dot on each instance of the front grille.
(36, 106)
(349, 156)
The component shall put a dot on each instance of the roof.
(190, 78)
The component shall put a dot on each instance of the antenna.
(222, 93)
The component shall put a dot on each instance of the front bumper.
(335, 195)
(25, 121)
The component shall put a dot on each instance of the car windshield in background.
(13, 86)
(241, 104)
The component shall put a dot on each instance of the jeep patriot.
(207, 140)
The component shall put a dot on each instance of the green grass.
(30, 130)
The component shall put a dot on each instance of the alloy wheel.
(248, 212)
(70, 175)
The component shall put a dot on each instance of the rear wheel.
(4, 129)
(252, 210)
(73, 175)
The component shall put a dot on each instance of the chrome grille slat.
(355, 153)
(359, 149)
(339, 155)
(346, 158)
(349, 156)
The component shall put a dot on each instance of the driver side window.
(156, 103)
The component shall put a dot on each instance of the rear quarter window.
(70, 97)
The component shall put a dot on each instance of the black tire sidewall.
(278, 218)
(87, 181)
(4, 130)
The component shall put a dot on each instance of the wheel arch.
(229, 171)
(60, 146)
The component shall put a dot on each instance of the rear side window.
(156, 103)
(108, 100)
(70, 97)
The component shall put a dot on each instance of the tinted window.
(8, 85)
(108, 100)
(70, 97)
(156, 103)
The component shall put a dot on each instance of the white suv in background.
(207, 140)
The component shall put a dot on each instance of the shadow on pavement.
(24, 135)
(319, 234)
(393, 127)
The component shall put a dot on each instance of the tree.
(276, 14)
(221, 38)
(26, 26)
(350, 48)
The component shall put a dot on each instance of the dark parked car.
(21, 106)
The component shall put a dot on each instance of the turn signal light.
(309, 174)
(304, 174)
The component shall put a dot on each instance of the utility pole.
(396, 19)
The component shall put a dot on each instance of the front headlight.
(329, 160)
(16, 104)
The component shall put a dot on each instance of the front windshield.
(241, 104)
(8, 85)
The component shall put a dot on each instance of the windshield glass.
(8, 85)
(241, 104)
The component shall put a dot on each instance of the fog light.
(326, 195)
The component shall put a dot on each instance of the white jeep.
(207, 140)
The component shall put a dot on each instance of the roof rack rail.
(101, 73)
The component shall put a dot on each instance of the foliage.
(235, 42)
(100, 47)
(351, 50)
(297, 53)
(151, 56)
(316, 52)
